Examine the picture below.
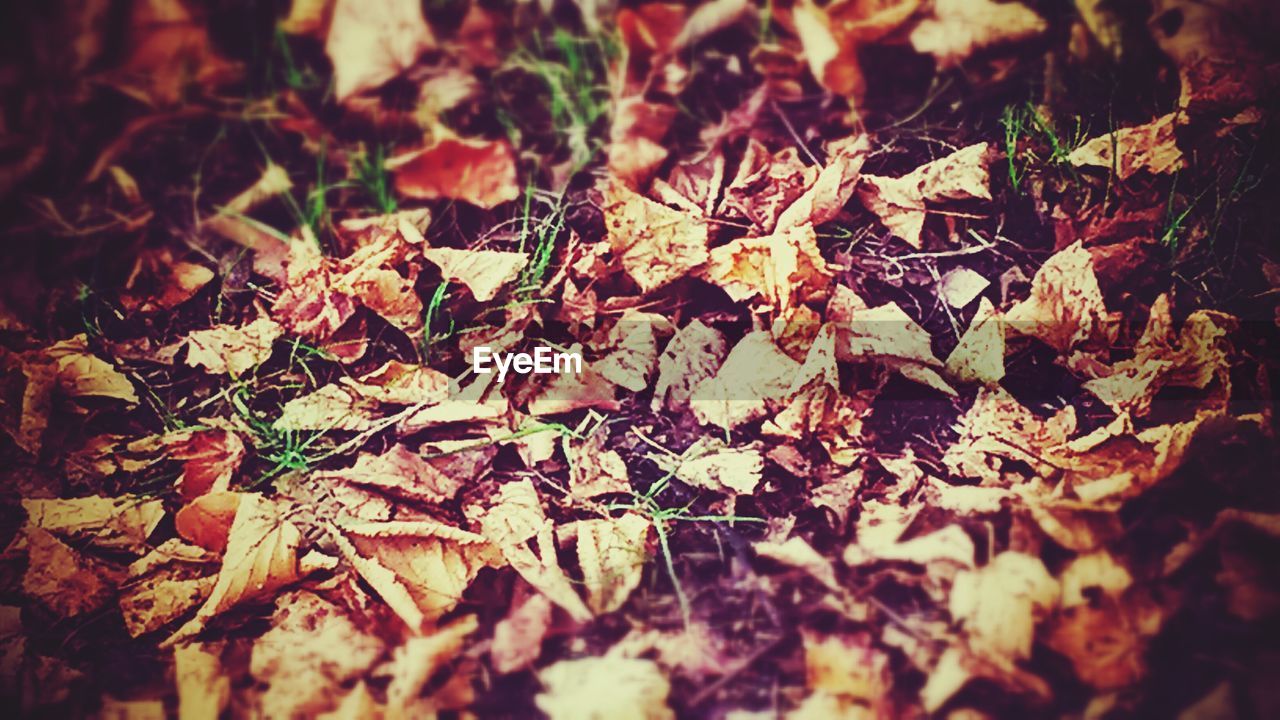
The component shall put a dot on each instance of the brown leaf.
(692, 356)
(979, 356)
(847, 677)
(371, 42)
(420, 568)
(1065, 310)
(172, 580)
(477, 171)
(159, 282)
(784, 269)
(595, 471)
(958, 28)
(635, 139)
(169, 49)
(399, 471)
(354, 403)
(61, 578)
(1000, 604)
(831, 36)
(654, 244)
(1106, 640)
(232, 349)
(823, 200)
(1151, 147)
(612, 554)
(901, 203)
(209, 458)
(484, 272)
(766, 185)
(122, 523)
(517, 638)
(709, 464)
(996, 429)
(206, 521)
(418, 662)
(755, 375)
(311, 650)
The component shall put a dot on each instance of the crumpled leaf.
(203, 689)
(515, 518)
(951, 544)
(635, 139)
(484, 272)
(474, 170)
(587, 688)
(959, 28)
(612, 553)
(654, 244)
(261, 557)
(210, 458)
(161, 282)
(797, 553)
(885, 334)
(354, 403)
(61, 578)
(1065, 309)
(997, 428)
(420, 568)
(847, 677)
(161, 587)
(754, 375)
(765, 185)
(371, 42)
(785, 269)
(121, 523)
(231, 349)
(418, 661)
(595, 471)
(693, 355)
(709, 464)
(901, 203)
(1107, 639)
(311, 650)
(1151, 147)
(634, 354)
(169, 50)
(826, 197)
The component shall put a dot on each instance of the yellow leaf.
(232, 349)
(612, 553)
(203, 689)
(120, 523)
(163, 586)
(655, 244)
(484, 272)
(589, 688)
(372, 41)
(958, 28)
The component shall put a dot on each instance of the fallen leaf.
(1151, 147)
(784, 270)
(166, 584)
(231, 349)
(400, 472)
(121, 523)
(999, 605)
(754, 375)
(766, 185)
(483, 272)
(418, 661)
(354, 403)
(420, 568)
(635, 139)
(595, 471)
(634, 355)
(797, 553)
(311, 650)
(654, 244)
(371, 42)
(204, 690)
(1103, 640)
(709, 464)
(847, 677)
(902, 203)
(1065, 309)
(951, 544)
(261, 557)
(691, 357)
(473, 170)
(61, 578)
(168, 50)
(831, 37)
(979, 356)
(210, 458)
(160, 282)
(997, 429)
(624, 688)
(612, 554)
(206, 521)
(958, 28)
(961, 286)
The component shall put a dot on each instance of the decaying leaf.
(612, 553)
(754, 375)
(399, 471)
(709, 464)
(371, 42)
(847, 677)
(210, 458)
(1151, 147)
(654, 244)
(595, 471)
(979, 356)
(629, 688)
(997, 428)
(831, 36)
(1065, 310)
(354, 403)
(122, 523)
(517, 638)
(477, 171)
(232, 349)
(483, 272)
(1000, 604)
(691, 357)
(63, 579)
(171, 581)
(783, 270)
(418, 661)
(206, 521)
(901, 203)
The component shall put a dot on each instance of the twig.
(794, 135)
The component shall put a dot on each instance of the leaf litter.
(928, 352)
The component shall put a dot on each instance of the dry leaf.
(473, 170)
(61, 578)
(997, 428)
(595, 471)
(847, 677)
(1000, 604)
(169, 50)
(311, 650)
(979, 356)
(766, 185)
(418, 661)
(1106, 640)
(398, 471)
(172, 580)
(209, 458)
(70, 367)
(634, 354)
(371, 42)
(232, 349)
(785, 269)
(961, 286)
(589, 688)
(203, 689)
(831, 36)
(206, 521)
(484, 272)
(122, 523)
(951, 544)
(691, 357)
(354, 403)
(1065, 310)
(826, 197)
(420, 568)
(754, 375)
(654, 244)
(261, 557)
(959, 28)
(901, 203)
(709, 464)
(635, 139)
(1151, 147)
(797, 553)
(612, 554)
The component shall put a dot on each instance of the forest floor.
(927, 350)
